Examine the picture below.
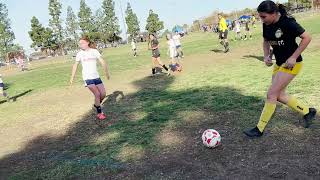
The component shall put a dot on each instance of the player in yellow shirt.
(223, 33)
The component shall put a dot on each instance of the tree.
(55, 22)
(85, 17)
(153, 23)
(72, 27)
(110, 25)
(42, 37)
(6, 34)
(132, 21)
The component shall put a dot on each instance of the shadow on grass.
(157, 134)
(217, 50)
(14, 98)
(259, 58)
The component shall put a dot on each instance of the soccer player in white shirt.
(134, 48)
(176, 39)
(88, 58)
(2, 92)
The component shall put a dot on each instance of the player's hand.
(268, 61)
(108, 76)
(290, 63)
(70, 82)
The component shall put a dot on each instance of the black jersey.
(154, 43)
(282, 37)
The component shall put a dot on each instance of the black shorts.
(96, 81)
(225, 33)
(155, 53)
(2, 85)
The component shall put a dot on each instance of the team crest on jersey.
(278, 33)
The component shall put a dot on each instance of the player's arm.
(74, 70)
(266, 48)
(105, 67)
(266, 53)
(305, 40)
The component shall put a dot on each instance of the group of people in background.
(174, 51)
(223, 28)
(18, 58)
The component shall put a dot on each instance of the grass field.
(49, 132)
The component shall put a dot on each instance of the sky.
(172, 12)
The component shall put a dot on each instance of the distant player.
(174, 65)
(2, 92)
(176, 38)
(134, 48)
(247, 31)
(237, 29)
(154, 46)
(223, 33)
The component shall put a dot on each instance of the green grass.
(216, 94)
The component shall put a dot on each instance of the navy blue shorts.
(92, 81)
(1, 85)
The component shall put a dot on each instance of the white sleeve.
(78, 57)
(97, 54)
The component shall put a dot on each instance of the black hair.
(271, 7)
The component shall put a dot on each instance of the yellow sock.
(266, 114)
(297, 106)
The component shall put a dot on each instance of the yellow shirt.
(222, 25)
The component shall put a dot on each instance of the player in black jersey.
(280, 32)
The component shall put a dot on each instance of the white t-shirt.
(237, 27)
(88, 61)
(172, 48)
(1, 80)
(133, 45)
(176, 39)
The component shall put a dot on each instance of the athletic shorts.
(179, 46)
(155, 53)
(225, 33)
(92, 81)
(1, 85)
(294, 71)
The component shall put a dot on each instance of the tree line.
(101, 26)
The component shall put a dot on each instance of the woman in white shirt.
(88, 57)
(174, 65)
(237, 30)
(176, 38)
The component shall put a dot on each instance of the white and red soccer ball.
(211, 138)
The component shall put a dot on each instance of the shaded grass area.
(156, 133)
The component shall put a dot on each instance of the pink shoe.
(101, 116)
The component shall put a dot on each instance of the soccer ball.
(211, 138)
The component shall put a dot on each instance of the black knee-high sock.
(153, 70)
(99, 110)
(165, 67)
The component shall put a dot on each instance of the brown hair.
(271, 7)
(91, 44)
